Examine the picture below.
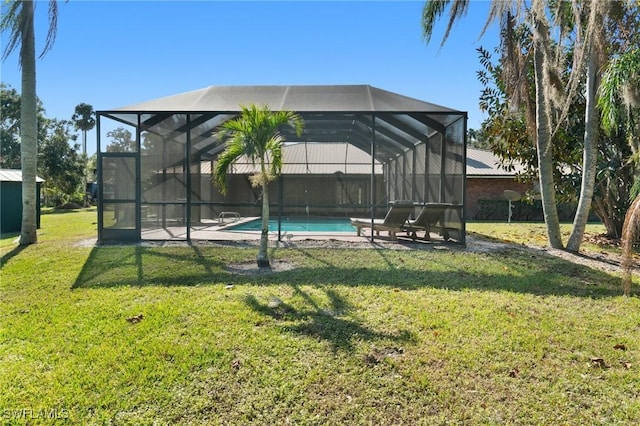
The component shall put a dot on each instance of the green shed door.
(10, 207)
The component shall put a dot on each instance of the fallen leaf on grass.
(620, 346)
(235, 365)
(598, 362)
(514, 372)
(626, 365)
(135, 319)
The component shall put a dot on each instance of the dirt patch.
(603, 261)
(251, 269)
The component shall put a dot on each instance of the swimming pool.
(299, 224)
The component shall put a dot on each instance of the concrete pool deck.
(213, 232)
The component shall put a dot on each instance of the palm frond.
(232, 152)
(14, 22)
(274, 147)
(11, 22)
(53, 26)
(431, 12)
(255, 133)
(621, 72)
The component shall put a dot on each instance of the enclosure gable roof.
(311, 98)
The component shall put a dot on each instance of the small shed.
(11, 200)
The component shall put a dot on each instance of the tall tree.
(121, 140)
(19, 22)
(543, 126)
(590, 44)
(255, 133)
(59, 163)
(84, 118)
(506, 134)
(9, 127)
(551, 25)
(507, 13)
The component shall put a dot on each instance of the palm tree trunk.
(263, 256)
(543, 142)
(629, 237)
(589, 156)
(85, 199)
(28, 127)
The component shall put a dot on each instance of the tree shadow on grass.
(516, 271)
(11, 254)
(135, 265)
(327, 324)
(510, 270)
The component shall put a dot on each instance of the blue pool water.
(299, 224)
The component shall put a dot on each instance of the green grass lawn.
(131, 335)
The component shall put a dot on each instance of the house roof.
(482, 164)
(328, 158)
(14, 175)
(317, 158)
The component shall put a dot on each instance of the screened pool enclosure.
(362, 149)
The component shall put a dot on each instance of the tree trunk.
(629, 237)
(263, 255)
(589, 156)
(543, 146)
(609, 218)
(85, 198)
(28, 127)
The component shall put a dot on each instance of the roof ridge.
(284, 97)
(368, 87)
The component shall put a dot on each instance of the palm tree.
(84, 118)
(549, 110)
(541, 55)
(630, 235)
(506, 12)
(19, 22)
(619, 103)
(255, 133)
(592, 52)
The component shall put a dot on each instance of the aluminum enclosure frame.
(417, 151)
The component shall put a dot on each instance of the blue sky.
(116, 53)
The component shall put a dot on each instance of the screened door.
(119, 217)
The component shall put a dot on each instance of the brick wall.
(489, 189)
